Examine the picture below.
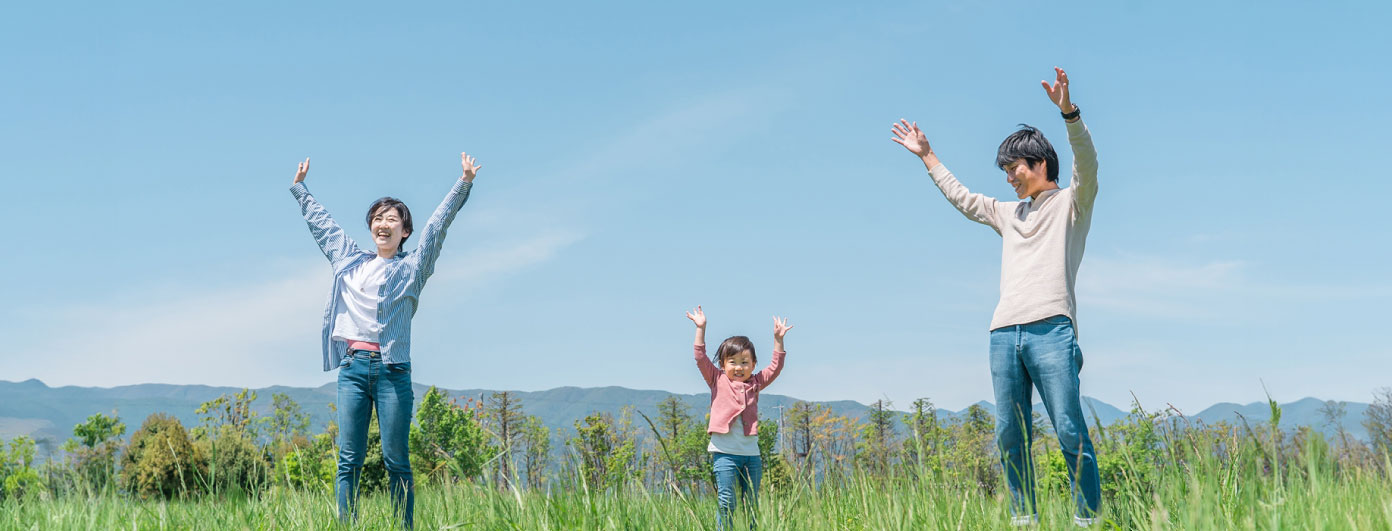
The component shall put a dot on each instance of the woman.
(367, 329)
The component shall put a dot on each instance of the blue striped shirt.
(406, 275)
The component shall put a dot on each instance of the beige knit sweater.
(1042, 240)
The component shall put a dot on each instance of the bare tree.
(1378, 420)
(504, 412)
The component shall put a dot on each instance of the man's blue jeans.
(1042, 354)
(365, 382)
(744, 471)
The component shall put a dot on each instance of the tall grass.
(1200, 493)
(1166, 474)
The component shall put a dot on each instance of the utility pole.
(778, 446)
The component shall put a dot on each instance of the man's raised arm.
(976, 207)
(1084, 181)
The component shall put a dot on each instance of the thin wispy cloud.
(254, 334)
(1173, 287)
(1154, 286)
(503, 259)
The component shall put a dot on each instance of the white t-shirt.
(356, 319)
(735, 442)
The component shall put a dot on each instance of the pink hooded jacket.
(730, 398)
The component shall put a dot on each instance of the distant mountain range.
(48, 414)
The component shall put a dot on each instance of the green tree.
(593, 442)
(536, 450)
(1128, 452)
(373, 477)
(674, 429)
(91, 454)
(777, 474)
(606, 453)
(448, 439)
(234, 411)
(878, 441)
(160, 460)
(17, 475)
(973, 456)
(695, 470)
(313, 463)
(923, 447)
(226, 441)
(311, 466)
(286, 424)
(99, 429)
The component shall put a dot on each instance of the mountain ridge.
(48, 414)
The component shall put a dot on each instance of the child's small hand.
(780, 327)
(697, 317)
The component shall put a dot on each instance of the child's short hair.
(734, 345)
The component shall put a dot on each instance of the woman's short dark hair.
(1029, 144)
(734, 345)
(401, 210)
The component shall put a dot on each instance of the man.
(1033, 338)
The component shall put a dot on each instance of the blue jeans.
(1042, 354)
(365, 382)
(744, 470)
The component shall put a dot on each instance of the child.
(734, 415)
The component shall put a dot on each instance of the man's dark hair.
(1028, 144)
(734, 345)
(401, 210)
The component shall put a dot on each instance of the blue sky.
(642, 159)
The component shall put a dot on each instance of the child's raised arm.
(699, 318)
(770, 373)
(780, 328)
(708, 370)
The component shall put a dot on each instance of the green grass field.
(1208, 493)
(1158, 472)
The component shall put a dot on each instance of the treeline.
(234, 451)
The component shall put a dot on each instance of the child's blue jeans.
(744, 470)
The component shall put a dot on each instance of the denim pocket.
(1057, 320)
(346, 362)
(399, 368)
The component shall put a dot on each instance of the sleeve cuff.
(938, 171)
(299, 190)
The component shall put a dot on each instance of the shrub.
(17, 475)
(234, 462)
(160, 461)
